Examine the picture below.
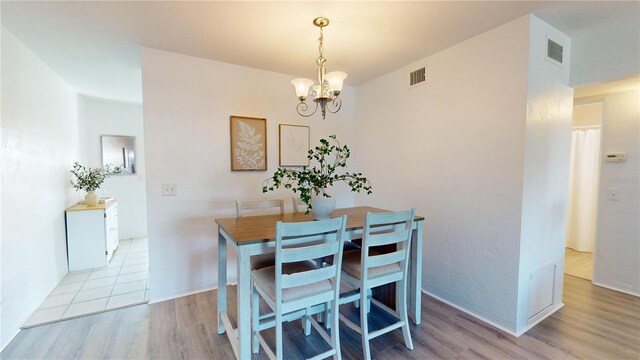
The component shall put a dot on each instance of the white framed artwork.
(294, 145)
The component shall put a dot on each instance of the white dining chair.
(366, 269)
(298, 205)
(295, 287)
(260, 207)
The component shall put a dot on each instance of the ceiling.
(95, 46)
(628, 84)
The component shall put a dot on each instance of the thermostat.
(616, 156)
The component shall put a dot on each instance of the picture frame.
(294, 145)
(248, 143)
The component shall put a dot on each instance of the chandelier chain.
(321, 59)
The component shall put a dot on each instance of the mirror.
(119, 151)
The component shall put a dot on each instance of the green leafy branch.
(90, 179)
(314, 180)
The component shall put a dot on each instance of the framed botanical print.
(294, 145)
(248, 143)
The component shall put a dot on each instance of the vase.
(91, 198)
(322, 207)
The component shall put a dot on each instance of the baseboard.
(183, 293)
(6, 340)
(630, 292)
(479, 317)
(530, 326)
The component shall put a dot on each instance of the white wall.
(39, 145)
(617, 255)
(105, 117)
(606, 52)
(546, 174)
(187, 104)
(454, 150)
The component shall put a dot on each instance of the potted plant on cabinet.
(90, 180)
(312, 182)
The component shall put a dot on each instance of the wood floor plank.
(595, 324)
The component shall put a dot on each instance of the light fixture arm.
(303, 108)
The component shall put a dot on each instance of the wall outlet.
(169, 189)
(613, 194)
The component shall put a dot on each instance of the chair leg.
(279, 337)
(364, 324)
(255, 318)
(356, 303)
(306, 322)
(369, 294)
(327, 316)
(402, 307)
(335, 333)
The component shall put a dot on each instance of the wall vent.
(542, 291)
(554, 51)
(417, 77)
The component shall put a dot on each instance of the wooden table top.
(252, 229)
(81, 206)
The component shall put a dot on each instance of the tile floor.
(578, 264)
(123, 283)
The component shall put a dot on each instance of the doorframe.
(588, 101)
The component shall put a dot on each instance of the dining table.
(255, 235)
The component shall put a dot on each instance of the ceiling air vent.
(554, 51)
(417, 77)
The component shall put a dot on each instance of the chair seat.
(352, 266)
(265, 279)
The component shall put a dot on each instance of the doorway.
(584, 177)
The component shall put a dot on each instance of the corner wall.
(546, 177)
(187, 104)
(454, 149)
(99, 117)
(39, 145)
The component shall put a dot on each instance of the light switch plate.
(169, 189)
(613, 194)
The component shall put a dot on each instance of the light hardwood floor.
(578, 263)
(596, 323)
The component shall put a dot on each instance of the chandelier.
(327, 91)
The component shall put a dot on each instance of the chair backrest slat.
(308, 277)
(310, 252)
(388, 218)
(388, 238)
(385, 259)
(308, 228)
(243, 206)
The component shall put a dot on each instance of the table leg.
(415, 309)
(222, 280)
(244, 303)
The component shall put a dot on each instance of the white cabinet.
(92, 234)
